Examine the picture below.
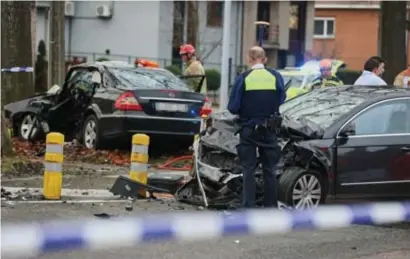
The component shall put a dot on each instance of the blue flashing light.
(193, 112)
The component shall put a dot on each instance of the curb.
(78, 194)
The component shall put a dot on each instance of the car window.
(82, 80)
(140, 78)
(391, 117)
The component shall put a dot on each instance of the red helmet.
(186, 49)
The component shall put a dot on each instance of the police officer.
(255, 98)
(326, 77)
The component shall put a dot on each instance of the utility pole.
(223, 103)
(56, 63)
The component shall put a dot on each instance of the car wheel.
(301, 188)
(26, 125)
(90, 133)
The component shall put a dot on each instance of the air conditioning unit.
(103, 11)
(69, 8)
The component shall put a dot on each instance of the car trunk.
(170, 103)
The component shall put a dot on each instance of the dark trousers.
(266, 142)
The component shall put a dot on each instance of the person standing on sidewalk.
(373, 69)
(194, 67)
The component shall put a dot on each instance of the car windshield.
(142, 78)
(322, 107)
(297, 79)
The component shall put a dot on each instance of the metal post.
(230, 72)
(260, 32)
(223, 103)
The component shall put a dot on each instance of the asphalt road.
(358, 242)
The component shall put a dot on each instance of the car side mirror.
(349, 130)
(96, 78)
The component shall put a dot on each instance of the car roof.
(371, 92)
(116, 64)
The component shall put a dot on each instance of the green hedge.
(174, 70)
(102, 59)
(213, 79)
(348, 76)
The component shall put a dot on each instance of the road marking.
(83, 194)
(101, 193)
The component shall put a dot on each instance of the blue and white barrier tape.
(35, 239)
(17, 69)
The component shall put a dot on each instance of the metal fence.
(92, 57)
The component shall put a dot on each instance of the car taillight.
(207, 108)
(127, 102)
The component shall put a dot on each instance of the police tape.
(17, 69)
(98, 234)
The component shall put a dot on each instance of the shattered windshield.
(140, 78)
(322, 107)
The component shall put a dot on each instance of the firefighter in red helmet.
(193, 67)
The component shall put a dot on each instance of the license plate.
(171, 107)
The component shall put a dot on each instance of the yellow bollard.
(139, 160)
(53, 165)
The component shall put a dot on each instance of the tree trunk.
(57, 44)
(16, 50)
(193, 23)
(393, 37)
(6, 147)
(33, 36)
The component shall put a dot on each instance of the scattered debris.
(104, 215)
(21, 194)
(73, 152)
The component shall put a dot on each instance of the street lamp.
(261, 25)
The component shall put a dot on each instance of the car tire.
(90, 136)
(24, 125)
(301, 189)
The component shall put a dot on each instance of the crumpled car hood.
(224, 128)
(223, 134)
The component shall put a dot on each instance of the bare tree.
(327, 50)
(196, 34)
(393, 37)
(16, 50)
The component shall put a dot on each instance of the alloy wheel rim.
(307, 192)
(26, 126)
(90, 134)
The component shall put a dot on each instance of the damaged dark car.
(107, 102)
(350, 142)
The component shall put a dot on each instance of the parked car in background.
(128, 100)
(344, 142)
(297, 81)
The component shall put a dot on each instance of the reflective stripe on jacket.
(321, 82)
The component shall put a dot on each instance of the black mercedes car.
(127, 100)
(350, 142)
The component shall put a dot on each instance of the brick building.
(348, 30)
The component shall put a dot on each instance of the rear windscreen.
(141, 78)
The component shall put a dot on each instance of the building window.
(214, 13)
(324, 28)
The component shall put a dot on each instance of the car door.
(373, 152)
